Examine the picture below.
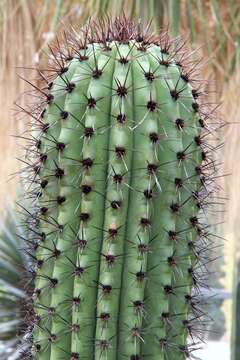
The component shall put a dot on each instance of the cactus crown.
(120, 174)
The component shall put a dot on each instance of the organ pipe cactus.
(120, 173)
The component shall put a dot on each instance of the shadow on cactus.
(13, 280)
(120, 170)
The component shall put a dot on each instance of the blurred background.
(213, 28)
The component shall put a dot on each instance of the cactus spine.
(121, 174)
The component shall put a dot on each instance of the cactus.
(120, 174)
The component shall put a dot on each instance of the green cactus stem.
(120, 173)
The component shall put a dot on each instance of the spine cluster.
(120, 175)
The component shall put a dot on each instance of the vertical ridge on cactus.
(119, 179)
